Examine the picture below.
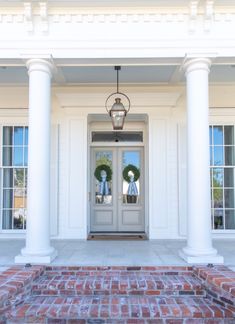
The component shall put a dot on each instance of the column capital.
(37, 64)
(197, 63)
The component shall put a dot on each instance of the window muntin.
(14, 177)
(222, 165)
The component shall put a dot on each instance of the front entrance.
(117, 194)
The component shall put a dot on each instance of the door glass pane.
(103, 177)
(131, 175)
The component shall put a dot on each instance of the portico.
(180, 82)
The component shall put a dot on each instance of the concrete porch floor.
(127, 253)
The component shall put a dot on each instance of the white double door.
(117, 205)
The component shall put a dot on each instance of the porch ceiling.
(151, 74)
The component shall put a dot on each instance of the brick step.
(70, 283)
(108, 309)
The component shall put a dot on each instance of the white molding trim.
(150, 99)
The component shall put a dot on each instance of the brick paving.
(174, 295)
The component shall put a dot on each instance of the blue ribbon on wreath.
(132, 188)
(103, 185)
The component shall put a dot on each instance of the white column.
(199, 242)
(38, 249)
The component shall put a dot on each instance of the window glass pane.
(26, 178)
(7, 198)
(229, 198)
(229, 155)
(229, 219)
(26, 134)
(218, 155)
(210, 134)
(218, 198)
(117, 136)
(228, 135)
(18, 215)
(7, 178)
(18, 198)
(211, 155)
(7, 135)
(7, 219)
(218, 135)
(218, 219)
(26, 156)
(103, 178)
(18, 156)
(217, 177)
(25, 218)
(228, 177)
(18, 178)
(18, 135)
(7, 156)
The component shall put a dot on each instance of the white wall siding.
(76, 191)
(158, 207)
(182, 179)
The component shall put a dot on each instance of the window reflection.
(103, 185)
(131, 173)
(218, 135)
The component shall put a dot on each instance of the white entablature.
(127, 29)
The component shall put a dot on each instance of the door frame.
(129, 126)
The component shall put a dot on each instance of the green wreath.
(103, 167)
(134, 169)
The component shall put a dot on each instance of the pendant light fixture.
(117, 111)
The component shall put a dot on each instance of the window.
(117, 136)
(14, 177)
(222, 165)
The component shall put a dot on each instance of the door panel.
(117, 203)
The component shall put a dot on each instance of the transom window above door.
(117, 136)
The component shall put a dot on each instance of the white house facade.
(177, 62)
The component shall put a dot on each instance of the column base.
(36, 259)
(201, 259)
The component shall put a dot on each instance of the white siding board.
(158, 175)
(182, 179)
